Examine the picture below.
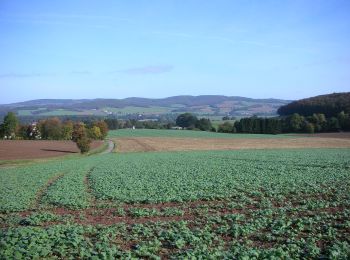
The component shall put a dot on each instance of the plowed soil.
(147, 144)
(27, 149)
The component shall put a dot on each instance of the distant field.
(139, 110)
(152, 144)
(121, 133)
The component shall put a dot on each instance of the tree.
(67, 130)
(79, 131)
(102, 125)
(333, 124)
(186, 120)
(51, 129)
(296, 122)
(226, 127)
(112, 124)
(203, 124)
(84, 144)
(309, 128)
(80, 137)
(344, 121)
(21, 132)
(95, 133)
(10, 125)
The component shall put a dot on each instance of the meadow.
(289, 203)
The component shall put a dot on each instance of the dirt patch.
(146, 144)
(134, 145)
(341, 135)
(28, 149)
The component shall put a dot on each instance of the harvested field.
(342, 135)
(147, 144)
(28, 149)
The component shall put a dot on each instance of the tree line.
(54, 129)
(290, 124)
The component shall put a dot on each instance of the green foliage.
(186, 120)
(162, 177)
(51, 129)
(226, 127)
(10, 125)
(95, 133)
(330, 105)
(276, 204)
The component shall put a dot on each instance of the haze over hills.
(201, 105)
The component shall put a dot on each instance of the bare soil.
(147, 144)
(342, 135)
(28, 149)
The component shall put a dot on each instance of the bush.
(84, 144)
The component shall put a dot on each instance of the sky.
(147, 48)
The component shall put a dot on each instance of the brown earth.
(342, 135)
(28, 149)
(147, 144)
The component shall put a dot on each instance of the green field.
(224, 204)
(185, 134)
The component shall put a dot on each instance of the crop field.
(281, 204)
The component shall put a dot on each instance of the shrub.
(84, 144)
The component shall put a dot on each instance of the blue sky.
(116, 49)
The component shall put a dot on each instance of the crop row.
(20, 186)
(164, 177)
(261, 234)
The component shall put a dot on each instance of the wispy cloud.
(150, 69)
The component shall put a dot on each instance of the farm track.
(43, 190)
(89, 189)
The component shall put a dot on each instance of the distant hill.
(330, 105)
(206, 105)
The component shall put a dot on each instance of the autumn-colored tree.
(95, 133)
(67, 130)
(103, 128)
(80, 137)
(84, 144)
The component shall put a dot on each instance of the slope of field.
(287, 204)
(28, 149)
(126, 133)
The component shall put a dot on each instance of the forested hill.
(330, 105)
(200, 105)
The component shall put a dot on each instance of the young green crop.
(275, 204)
(188, 176)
